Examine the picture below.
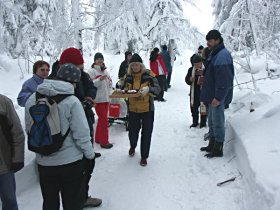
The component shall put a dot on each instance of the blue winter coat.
(167, 60)
(219, 74)
(28, 88)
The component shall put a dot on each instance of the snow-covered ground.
(178, 176)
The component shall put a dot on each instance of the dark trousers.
(162, 83)
(168, 78)
(68, 180)
(195, 113)
(8, 191)
(136, 122)
(89, 166)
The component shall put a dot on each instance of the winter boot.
(92, 202)
(131, 152)
(217, 150)
(107, 146)
(210, 146)
(143, 162)
(194, 125)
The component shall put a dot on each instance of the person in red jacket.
(158, 68)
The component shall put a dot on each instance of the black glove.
(15, 167)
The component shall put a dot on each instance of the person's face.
(136, 67)
(128, 57)
(43, 71)
(200, 51)
(198, 65)
(99, 61)
(212, 43)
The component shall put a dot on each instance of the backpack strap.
(57, 98)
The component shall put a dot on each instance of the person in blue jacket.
(217, 91)
(41, 71)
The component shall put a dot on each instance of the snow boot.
(210, 146)
(217, 150)
(131, 152)
(107, 146)
(143, 162)
(194, 125)
(92, 202)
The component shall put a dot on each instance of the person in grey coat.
(63, 172)
(11, 152)
(167, 61)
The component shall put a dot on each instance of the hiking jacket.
(155, 62)
(28, 87)
(11, 136)
(85, 87)
(136, 81)
(104, 87)
(123, 69)
(167, 60)
(219, 75)
(77, 144)
(195, 86)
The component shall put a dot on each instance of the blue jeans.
(8, 191)
(216, 122)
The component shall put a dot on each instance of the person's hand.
(91, 100)
(215, 103)
(103, 77)
(198, 72)
(15, 167)
(144, 90)
(192, 79)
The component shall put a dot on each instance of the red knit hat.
(71, 55)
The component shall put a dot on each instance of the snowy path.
(177, 176)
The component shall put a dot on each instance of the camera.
(87, 104)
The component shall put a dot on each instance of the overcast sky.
(201, 17)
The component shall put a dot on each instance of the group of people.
(68, 170)
(211, 80)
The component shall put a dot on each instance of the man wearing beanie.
(85, 91)
(217, 91)
(124, 64)
(141, 109)
(63, 172)
(192, 79)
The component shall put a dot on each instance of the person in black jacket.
(124, 65)
(192, 79)
(85, 91)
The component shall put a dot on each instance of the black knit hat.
(214, 34)
(136, 58)
(127, 53)
(69, 72)
(196, 59)
(98, 55)
(200, 47)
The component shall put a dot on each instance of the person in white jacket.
(103, 82)
(63, 172)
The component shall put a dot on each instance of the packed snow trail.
(177, 177)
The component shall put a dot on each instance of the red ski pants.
(102, 132)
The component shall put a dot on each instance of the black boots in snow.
(214, 149)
